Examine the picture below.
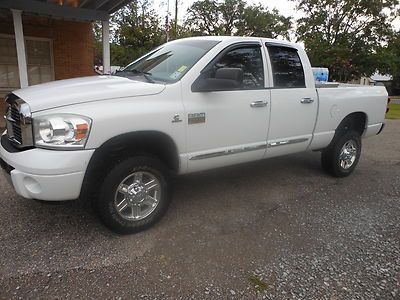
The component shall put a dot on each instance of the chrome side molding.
(287, 142)
(228, 152)
(247, 149)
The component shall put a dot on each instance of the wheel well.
(356, 121)
(118, 148)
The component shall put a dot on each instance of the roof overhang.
(84, 10)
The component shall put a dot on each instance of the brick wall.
(73, 47)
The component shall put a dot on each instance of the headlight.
(63, 131)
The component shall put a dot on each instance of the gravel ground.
(276, 229)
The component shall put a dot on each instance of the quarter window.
(287, 69)
(250, 60)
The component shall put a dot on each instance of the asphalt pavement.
(276, 229)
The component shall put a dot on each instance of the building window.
(39, 62)
(9, 77)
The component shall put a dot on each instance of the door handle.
(259, 104)
(306, 100)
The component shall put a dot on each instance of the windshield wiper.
(145, 74)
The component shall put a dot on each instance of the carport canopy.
(79, 10)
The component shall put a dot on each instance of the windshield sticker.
(178, 72)
(182, 69)
(175, 75)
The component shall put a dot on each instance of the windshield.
(169, 62)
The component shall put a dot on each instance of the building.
(375, 79)
(45, 40)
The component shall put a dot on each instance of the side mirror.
(225, 79)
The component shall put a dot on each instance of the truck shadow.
(213, 203)
(277, 172)
(193, 191)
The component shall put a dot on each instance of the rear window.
(287, 69)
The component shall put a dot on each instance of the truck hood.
(85, 89)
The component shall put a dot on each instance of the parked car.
(191, 104)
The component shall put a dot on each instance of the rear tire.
(134, 195)
(342, 157)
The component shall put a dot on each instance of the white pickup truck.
(191, 104)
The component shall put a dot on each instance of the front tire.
(134, 195)
(342, 157)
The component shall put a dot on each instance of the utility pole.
(167, 22)
(176, 19)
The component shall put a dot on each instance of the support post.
(20, 43)
(176, 20)
(106, 47)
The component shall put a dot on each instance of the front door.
(230, 126)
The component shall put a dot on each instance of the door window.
(287, 69)
(249, 59)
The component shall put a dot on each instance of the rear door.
(294, 101)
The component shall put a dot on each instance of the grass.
(258, 284)
(394, 112)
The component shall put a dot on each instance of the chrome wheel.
(137, 196)
(348, 154)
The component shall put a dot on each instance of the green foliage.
(345, 35)
(257, 20)
(135, 29)
(389, 59)
(234, 17)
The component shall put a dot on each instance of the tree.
(135, 30)
(234, 17)
(210, 17)
(389, 57)
(257, 20)
(138, 30)
(345, 35)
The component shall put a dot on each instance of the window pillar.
(106, 47)
(20, 42)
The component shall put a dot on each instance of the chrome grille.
(18, 121)
(16, 124)
(14, 113)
